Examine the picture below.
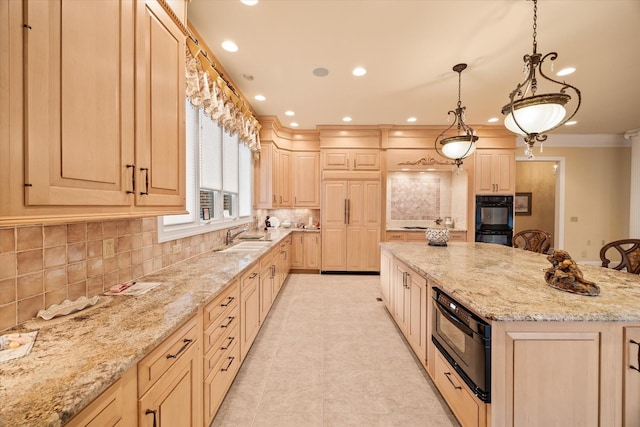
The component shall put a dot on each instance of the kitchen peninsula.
(556, 358)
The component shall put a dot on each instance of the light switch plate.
(108, 248)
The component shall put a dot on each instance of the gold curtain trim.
(207, 89)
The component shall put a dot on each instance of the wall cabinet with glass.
(100, 137)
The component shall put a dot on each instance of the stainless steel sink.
(248, 246)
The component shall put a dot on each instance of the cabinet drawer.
(221, 304)
(220, 347)
(416, 236)
(218, 331)
(396, 236)
(151, 368)
(458, 236)
(469, 411)
(250, 277)
(267, 259)
(219, 380)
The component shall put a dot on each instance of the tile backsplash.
(42, 265)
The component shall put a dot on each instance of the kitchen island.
(77, 357)
(556, 358)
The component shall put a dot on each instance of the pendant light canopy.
(461, 144)
(532, 115)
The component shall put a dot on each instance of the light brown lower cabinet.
(249, 309)
(170, 381)
(116, 406)
(221, 322)
(305, 251)
(631, 365)
(468, 409)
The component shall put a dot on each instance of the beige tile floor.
(329, 354)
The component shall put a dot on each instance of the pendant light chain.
(535, 26)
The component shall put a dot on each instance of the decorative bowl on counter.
(286, 224)
(438, 235)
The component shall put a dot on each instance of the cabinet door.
(79, 110)
(174, 400)
(306, 179)
(160, 108)
(297, 255)
(386, 279)
(363, 226)
(266, 291)
(495, 172)
(283, 175)
(335, 160)
(312, 250)
(631, 398)
(417, 317)
(264, 197)
(570, 361)
(366, 159)
(249, 316)
(334, 211)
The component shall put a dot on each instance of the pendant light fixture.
(462, 144)
(530, 114)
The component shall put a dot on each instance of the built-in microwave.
(464, 339)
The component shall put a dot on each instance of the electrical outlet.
(176, 249)
(573, 219)
(108, 248)
(588, 242)
(583, 254)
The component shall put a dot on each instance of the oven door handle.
(457, 323)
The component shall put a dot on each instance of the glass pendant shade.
(536, 114)
(459, 147)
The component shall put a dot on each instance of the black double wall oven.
(464, 339)
(494, 219)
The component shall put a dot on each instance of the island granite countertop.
(76, 357)
(501, 283)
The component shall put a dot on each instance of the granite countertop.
(501, 283)
(420, 229)
(76, 357)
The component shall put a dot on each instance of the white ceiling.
(409, 48)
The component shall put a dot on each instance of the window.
(218, 181)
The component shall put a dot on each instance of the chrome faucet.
(230, 237)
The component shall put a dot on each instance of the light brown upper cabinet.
(306, 179)
(495, 171)
(272, 174)
(350, 159)
(103, 111)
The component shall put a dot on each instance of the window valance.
(206, 89)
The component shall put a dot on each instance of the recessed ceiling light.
(566, 71)
(289, 113)
(320, 72)
(571, 123)
(359, 71)
(259, 98)
(346, 119)
(493, 120)
(249, 2)
(411, 119)
(294, 124)
(229, 46)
